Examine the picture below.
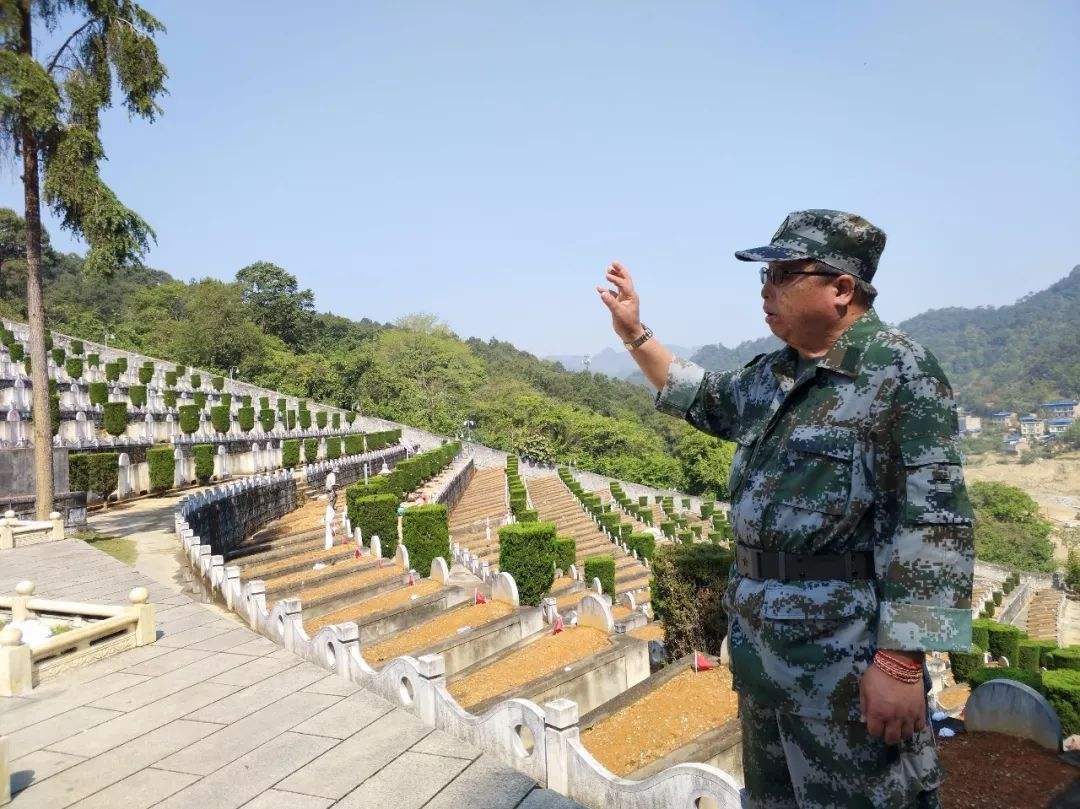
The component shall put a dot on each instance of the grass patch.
(116, 547)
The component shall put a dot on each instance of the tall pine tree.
(50, 117)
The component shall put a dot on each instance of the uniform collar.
(845, 354)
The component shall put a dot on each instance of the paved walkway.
(213, 715)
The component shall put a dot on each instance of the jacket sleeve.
(925, 557)
(706, 399)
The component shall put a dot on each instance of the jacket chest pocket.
(818, 469)
(744, 448)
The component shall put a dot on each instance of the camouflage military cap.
(845, 241)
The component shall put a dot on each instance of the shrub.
(121, 362)
(189, 418)
(218, 383)
(246, 417)
(58, 356)
(985, 675)
(1004, 640)
(290, 453)
(354, 444)
(311, 450)
(667, 527)
(137, 394)
(196, 381)
(245, 400)
(76, 347)
(980, 633)
(425, 533)
(528, 515)
(687, 590)
(290, 419)
(565, 553)
(219, 417)
(527, 552)
(282, 405)
(146, 373)
(170, 398)
(170, 378)
(644, 544)
(335, 421)
(181, 371)
(1062, 690)
(115, 420)
(204, 462)
(112, 371)
(264, 402)
(162, 468)
(377, 514)
(706, 510)
(225, 399)
(199, 397)
(350, 417)
(99, 393)
(267, 418)
(643, 500)
(94, 472)
(54, 407)
(74, 367)
(377, 484)
(603, 568)
(333, 450)
(17, 352)
(305, 419)
(1067, 657)
(686, 537)
(996, 598)
(964, 663)
(320, 422)
(1030, 654)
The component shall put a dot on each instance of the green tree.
(706, 461)
(50, 114)
(1008, 528)
(217, 332)
(277, 303)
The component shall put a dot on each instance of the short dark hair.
(864, 294)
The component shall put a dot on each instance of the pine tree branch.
(75, 33)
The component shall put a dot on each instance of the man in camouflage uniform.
(853, 528)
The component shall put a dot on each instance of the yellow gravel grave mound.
(438, 629)
(370, 606)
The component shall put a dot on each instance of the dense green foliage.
(565, 553)
(219, 417)
(290, 453)
(1008, 528)
(1004, 640)
(311, 450)
(985, 675)
(320, 419)
(603, 568)
(1067, 657)
(1034, 654)
(687, 590)
(204, 462)
(96, 472)
(162, 466)
(146, 373)
(170, 397)
(98, 392)
(527, 552)
(333, 448)
(426, 535)
(267, 419)
(963, 664)
(245, 416)
(137, 394)
(189, 418)
(1062, 691)
(376, 515)
(354, 444)
(115, 418)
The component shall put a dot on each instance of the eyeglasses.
(777, 275)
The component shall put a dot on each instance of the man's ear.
(844, 287)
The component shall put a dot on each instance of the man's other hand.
(623, 303)
(891, 709)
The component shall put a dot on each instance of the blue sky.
(484, 161)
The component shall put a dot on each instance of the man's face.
(801, 308)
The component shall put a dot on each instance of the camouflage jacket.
(858, 454)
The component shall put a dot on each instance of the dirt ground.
(1054, 484)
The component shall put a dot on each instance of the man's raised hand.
(622, 302)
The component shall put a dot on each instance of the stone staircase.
(484, 499)
(1042, 614)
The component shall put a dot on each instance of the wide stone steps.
(484, 497)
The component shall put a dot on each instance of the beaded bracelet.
(904, 672)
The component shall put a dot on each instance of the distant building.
(1015, 444)
(1031, 426)
(1064, 409)
(1004, 419)
(970, 425)
(1058, 426)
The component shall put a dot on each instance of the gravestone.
(1006, 706)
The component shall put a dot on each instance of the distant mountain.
(719, 357)
(614, 362)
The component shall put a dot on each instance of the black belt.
(755, 563)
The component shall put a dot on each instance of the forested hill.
(1009, 357)
(414, 371)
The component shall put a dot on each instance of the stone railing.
(454, 487)
(540, 741)
(350, 468)
(18, 533)
(111, 629)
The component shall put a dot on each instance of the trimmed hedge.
(1062, 690)
(94, 472)
(196, 380)
(245, 400)
(267, 418)
(120, 361)
(171, 378)
(264, 402)
(189, 418)
(112, 371)
(333, 449)
(137, 394)
(181, 371)
(644, 544)
(687, 595)
(350, 417)
(219, 417)
(199, 397)
(311, 450)
(425, 532)
(74, 367)
(1067, 657)
(304, 417)
(290, 453)
(354, 444)
(58, 356)
(376, 514)
(146, 373)
(565, 553)
(218, 383)
(320, 422)
(17, 352)
(115, 420)
(527, 552)
(382, 439)
(76, 347)
(1004, 640)
(290, 419)
(964, 663)
(246, 417)
(225, 399)
(282, 405)
(603, 568)
(985, 675)
(335, 421)
(1031, 654)
(204, 462)
(99, 393)
(980, 633)
(170, 397)
(162, 468)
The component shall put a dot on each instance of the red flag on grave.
(558, 626)
(411, 580)
(478, 597)
(702, 663)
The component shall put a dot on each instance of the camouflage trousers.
(798, 762)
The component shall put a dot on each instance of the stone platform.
(213, 715)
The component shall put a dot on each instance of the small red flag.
(478, 597)
(558, 626)
(411, 580)
(356, 554)
(702, 663)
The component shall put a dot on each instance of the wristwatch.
(639, 341)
